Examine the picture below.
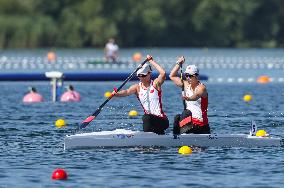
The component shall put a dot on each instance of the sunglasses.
(141, 75)
(189, 75)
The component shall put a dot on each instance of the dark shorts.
(152, 123)
(195, 129)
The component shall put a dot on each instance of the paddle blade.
(87, 121)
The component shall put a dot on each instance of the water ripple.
(31, 147)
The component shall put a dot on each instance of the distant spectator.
(111, 51)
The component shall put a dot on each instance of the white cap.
(145, 69)
(191, 69)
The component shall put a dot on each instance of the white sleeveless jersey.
(151, 100)
(198, 108)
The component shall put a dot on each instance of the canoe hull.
(127, 138)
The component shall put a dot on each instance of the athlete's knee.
(177, 118)
(146, 118)
(207, 130)
(146, 123)
(176, 128)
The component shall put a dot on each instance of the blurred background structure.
(69, 36)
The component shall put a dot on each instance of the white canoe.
(127, 138)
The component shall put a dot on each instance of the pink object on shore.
(32, 98)
(70, 96)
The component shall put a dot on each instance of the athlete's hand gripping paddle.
(88, 120)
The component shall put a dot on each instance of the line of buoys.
(268, 61)
(203, 62)
(261, 79)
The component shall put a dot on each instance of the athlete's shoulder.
(134, 86)
(202, 85)
(202, 90)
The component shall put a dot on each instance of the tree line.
(143, 23)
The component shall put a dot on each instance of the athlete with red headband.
(149, 94)
(196, 100)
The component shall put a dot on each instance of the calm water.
(32, 147)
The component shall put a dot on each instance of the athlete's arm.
(123, 93)
(201, 92)
(173, 75)
(162, 73)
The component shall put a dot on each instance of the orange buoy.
(59, 174)
(263, 79)
(137, 57)
(51, 56)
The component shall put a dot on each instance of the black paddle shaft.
(182, 87)
(186, 113)
(87, 121)
(118, 89)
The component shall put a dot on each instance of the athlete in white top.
(196, 98)
(149, 94)
(111, 51)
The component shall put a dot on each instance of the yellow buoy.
(185, 150)
(247, 98)
(261, 133)
(137, 57)
(133, 113)
(107, 94)
(60, 123)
